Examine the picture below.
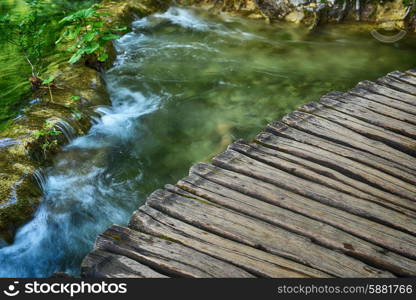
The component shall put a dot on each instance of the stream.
(184, 85)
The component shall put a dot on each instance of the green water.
(220, 79)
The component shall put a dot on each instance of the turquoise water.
(185, 84)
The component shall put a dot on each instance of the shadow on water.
(184, 85)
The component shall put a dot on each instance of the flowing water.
(184, 85)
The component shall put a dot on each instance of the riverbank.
(24, 150)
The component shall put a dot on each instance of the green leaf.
(89, 36)
(55, 132)
(91, 48)
(103, 56)
(76, 57)
(48, 125)
(120, 28)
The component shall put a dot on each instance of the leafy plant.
(47, 130)
(88, 34)
(49, 80)
(47, 135)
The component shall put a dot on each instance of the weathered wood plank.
(255, 261)
(237, 162)
(369, 116)
(386, 91)
(164, 255)
(329, 236)
(399, 174)
(102, 264)
(325, 176)
(343, 164)
(344, 136)
(374, 106)
(338, 121)
(256, 233)
(381, 235)
(403, 106)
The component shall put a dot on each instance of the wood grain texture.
(391, 171)
(382, 99)
(334, 132)
(379, 234)
(165, 255)
(367, 115)
(359, 130)
(325, 176)
(200, 188)
(255, 233)
(239, 163)
(346, 165)
(255, 261)
(382, 87)
(373, 106)
(102, 264)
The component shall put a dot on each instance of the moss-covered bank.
(27, 145)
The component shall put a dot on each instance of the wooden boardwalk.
(328, 191)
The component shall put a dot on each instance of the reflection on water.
(184, 85)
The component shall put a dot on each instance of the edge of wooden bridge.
(328, 191)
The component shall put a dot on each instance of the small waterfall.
(40, 178)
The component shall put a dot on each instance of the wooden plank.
(259, 234)
(376, 107)
(366, 94)
(237, 162)
(102, 264)
(255, 261)
(398, 174)
(344, 136)
(320, 174)
(386, 91)
(405, 77)
(398, 85)
(195, 186)
(164, 255)
(381, 235)
(338, 121)
(345, 165)
(369, 116)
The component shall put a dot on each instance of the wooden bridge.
(329, 191)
